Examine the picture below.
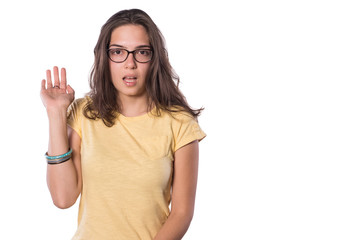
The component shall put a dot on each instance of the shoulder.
(178, 114)
(77, 107)
(180, 120)
(79, 104)
(82, 101)
(184, 127)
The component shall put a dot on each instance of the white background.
(279, 81)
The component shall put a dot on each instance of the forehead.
(130, 36)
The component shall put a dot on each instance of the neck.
(134, 106)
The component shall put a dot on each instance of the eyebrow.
(121, 46)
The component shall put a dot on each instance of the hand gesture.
(59, 96)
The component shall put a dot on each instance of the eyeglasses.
(120, 55)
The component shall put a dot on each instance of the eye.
(144, 52)
(116, 51)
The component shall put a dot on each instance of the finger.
(43, 84)
(56, 77)
(63, 79)
(48, 79)
(69, 89)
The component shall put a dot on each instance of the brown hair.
(162, 83)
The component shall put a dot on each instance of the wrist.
(56, 112)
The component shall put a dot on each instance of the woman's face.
(129, 76)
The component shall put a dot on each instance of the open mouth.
(130, 81)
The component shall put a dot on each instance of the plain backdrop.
(279, 81)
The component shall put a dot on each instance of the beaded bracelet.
(59, 156)
(58, 159)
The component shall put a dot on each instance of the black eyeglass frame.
(128, 52)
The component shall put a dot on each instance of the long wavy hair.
(162, 83)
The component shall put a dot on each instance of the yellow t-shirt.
(127, 172)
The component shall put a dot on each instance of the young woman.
(130, 147)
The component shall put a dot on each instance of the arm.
(183, 194)
(64, 180)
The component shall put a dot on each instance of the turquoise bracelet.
(59, 156)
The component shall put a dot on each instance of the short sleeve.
(186, 130)
(74, 115)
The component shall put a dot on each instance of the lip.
(130, 76)
(130, 80)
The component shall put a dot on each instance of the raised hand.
(59, 96)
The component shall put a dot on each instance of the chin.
(133, 93)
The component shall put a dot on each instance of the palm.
(61, 95)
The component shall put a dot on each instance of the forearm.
(58, 138)
(175, 227)
(61, 178)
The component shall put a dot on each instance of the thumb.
(69, 89)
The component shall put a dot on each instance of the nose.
(130, 61)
